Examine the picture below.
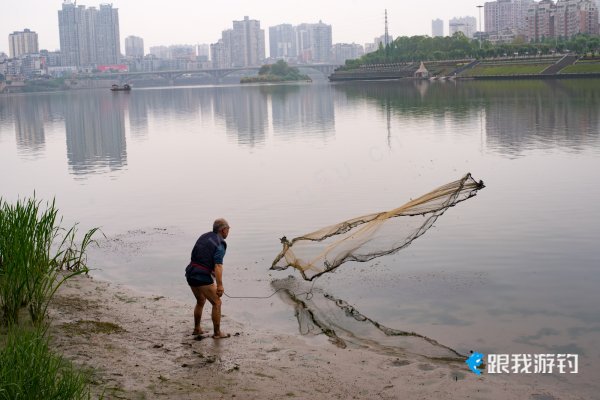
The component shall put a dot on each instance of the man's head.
(221, 227)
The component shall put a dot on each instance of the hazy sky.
(195, 21)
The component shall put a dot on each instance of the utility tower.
(387, 36)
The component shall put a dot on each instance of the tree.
(265, 69)
(280, 68)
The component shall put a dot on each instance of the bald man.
(207, 263)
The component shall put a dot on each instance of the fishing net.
(318, 312)
(370, 236)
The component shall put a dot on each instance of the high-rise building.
(217, 55)
(466, 25)
(21, 43)
(321, 41)
(248, 43)
(564, 19)
(282, 42)
(73, 28)
(134, 46)
(89, 35)
(108, 48)
(540, 21)
(437, 28)
(182, 51)
(220, 52)
(242, 46)
(159, 51)
(314, 42)
(303, 46)
(575, 16)
(203, 51)
(346, 51)
(503, 15)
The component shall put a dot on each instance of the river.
(513, 270)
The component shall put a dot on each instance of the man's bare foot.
(221, 335)
(198, 332)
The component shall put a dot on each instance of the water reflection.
(549, 114)
(512, 116)
(138, 118)
(515, 116)
(302, 110)
(29, 124)
(95, 132)
(244, 110)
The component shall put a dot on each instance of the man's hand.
(220, 290)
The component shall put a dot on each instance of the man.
(207, 263)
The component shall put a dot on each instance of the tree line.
(458, 46)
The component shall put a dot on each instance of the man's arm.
(219, 279)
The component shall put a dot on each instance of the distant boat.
(116, 88)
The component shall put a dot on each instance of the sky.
(196, 22)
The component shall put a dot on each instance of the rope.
(308, 294)
(253, 297)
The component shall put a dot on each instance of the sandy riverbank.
(140, 347)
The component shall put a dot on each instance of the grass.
(582, 68)
(29, 370)
(504, 70)
(36, 256)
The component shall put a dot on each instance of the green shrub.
(29, 370)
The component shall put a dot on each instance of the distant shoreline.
(376, 77)
(568, 66)
(348, 78)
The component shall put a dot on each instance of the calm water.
(513, 270)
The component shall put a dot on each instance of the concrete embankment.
(367, 76)
(533, 76)
(567, 66)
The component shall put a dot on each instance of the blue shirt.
(220, 254)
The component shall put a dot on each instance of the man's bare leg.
(210, 293)
(200, 300)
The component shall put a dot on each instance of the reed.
(37, 255)
(29, 370)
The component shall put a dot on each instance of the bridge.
(217, 74)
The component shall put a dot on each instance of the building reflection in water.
(517, 115)
(514, 116)
(244, 110)
(555, 114)
(29, 116)
(95, 130)
(303, 110)
(137, 113)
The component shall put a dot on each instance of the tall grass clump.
(36, 256)
(29, 370)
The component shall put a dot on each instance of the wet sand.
(140, 346)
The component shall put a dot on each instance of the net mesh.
(374, 235)
(318, 312)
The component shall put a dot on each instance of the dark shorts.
(196, 281)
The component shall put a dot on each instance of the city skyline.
(184, 22)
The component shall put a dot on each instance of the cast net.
(374, 235)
